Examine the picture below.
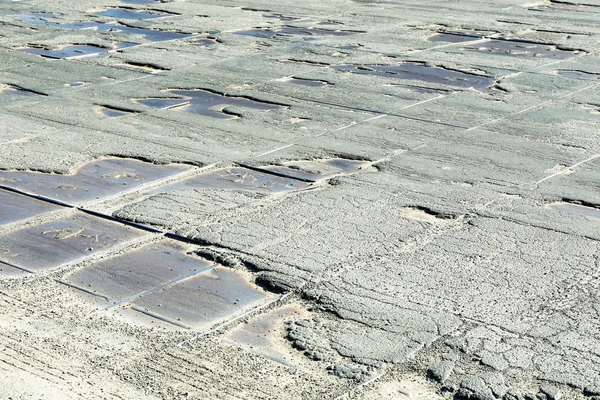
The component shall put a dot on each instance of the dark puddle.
(453, 37)
(203, 102)
(264, 334)
(284, 31)
(238, 179)
(578, 209)
(579, 75)
(76, 84)
(75, 51)
(203, 300)
(307, 82)
(18, 91)
(153, 35)
(132, 13)
(15, 207)
(317, 170)
(565, 6)
(63, 241)
(110, 112)
(421, 72)
(93, 181)
(522, 49)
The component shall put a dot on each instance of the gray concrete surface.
(446, 267)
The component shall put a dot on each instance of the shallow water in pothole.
(91, 182)
(578, 209)
(15, 207)
(205, 103)
(72, 51)
(135, 273)
(522, 49)
(110, 112)
(62, 241)
(420, 72)
(271, 33)
(238, 178)
(307, 82)
(153, 35)
(130, 13)
(453, 37)
(580, 75)
(204, 300)
(17, 91)
(316, 170)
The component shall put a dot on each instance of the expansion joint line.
(568, 169)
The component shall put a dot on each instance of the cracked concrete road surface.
(332, 199)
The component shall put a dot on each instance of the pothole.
(286, 31)
(18, 91)
(206, 103)
(578, 209)
(110, 112)
(264, 334)
(515, 48)
(75, 51)
(131, 13)
(164, 282)
(15, 207)
(318, 170)
(579, 74)
(421, 72)
(91, 182)
(307, 82)
(453, 37)
(63, 241)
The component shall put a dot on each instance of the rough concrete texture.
(440, 270)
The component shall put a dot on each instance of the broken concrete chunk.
(441, 371)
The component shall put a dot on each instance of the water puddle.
(421, 72)
(75, 51)
(15, 207)
(110, 112)
(453, 37)
(350, 46)
(92, 182)
(579, 75)
(522, 49)
(132, 13)
(204, 42)
(126, 277)
(203, 102)
(317, 170)
(565, 6)
(18, 91)
(141, 2)
(63, 241)
(578, 209)
(307, 82)
(286, 31)
(203, 300)
(153, 35)
(265, 335)
(149, 68)
(75, 84)
(280, 17)
(238, 179)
